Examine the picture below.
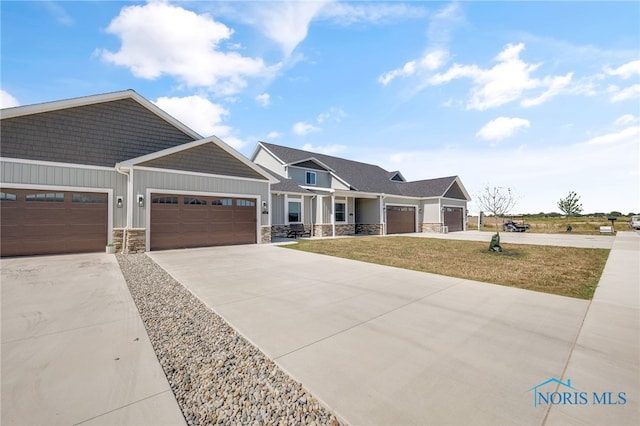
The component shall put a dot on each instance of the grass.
(580, 225)
(565, 271)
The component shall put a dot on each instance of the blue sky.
(542, 97)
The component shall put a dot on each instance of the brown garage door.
(52, 222)
(401, 220)
(181, 221)
(453, 218)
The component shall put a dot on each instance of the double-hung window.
(341, 212)
(310, 178)
(294, 211)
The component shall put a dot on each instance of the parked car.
(634, 222)
(511, 226)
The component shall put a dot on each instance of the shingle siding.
(207, 158)
(99, 134)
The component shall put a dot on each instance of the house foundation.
(368, 229)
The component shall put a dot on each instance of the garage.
(453, 218)
(183, 221)
(401, 219)
(36, 222)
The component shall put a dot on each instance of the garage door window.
(5, 196)
(223, 202)
(195, 201)
(48, 197)
(86, 198)
(245, 203)
(164, 200)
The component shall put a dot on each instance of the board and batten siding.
(299, 176)
(61, 177)
(367, 210)
(167, 181)
(265, 159)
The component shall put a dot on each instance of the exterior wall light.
(140, 200)
(119, 201)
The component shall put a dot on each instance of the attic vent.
(397, 178)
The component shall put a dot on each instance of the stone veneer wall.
(368, 229)
(135, 242)
(431, 227)
(323, 230)
(347, 229)
(281, 231)
(265, 234)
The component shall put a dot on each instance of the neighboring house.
(81, 173)
(333, 196)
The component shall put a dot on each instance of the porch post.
(333, 215)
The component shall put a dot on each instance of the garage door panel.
(400, 220)
(50, 222)
(453, 218)
(192, 223)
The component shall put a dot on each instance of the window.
(310, 178)
(341, 212)
(295, 211)
(55, 197)
(88, 198)
(222, 202)
(195, 201)
(245, 203)
(164, 200)
(7, 197)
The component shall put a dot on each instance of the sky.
(541, 97)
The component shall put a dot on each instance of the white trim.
(96, 99)
(346, 211)
(312, 159)
(183, 172)
(462, 188)
(150, 191)
(261, 146)
(333, 215)
(55, 164)
(308, 173)
(108, 191)
(288, 199)
(314, 189)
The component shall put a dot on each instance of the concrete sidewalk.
(606, 356)
(74, 350)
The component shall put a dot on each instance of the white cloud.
(324, 149)
(284, 22)
(348, 13)
(625, 71)
(301, 128)
(631, 92)
(333, 114)
(201, 115)
(274, 135)
(7, 100)
(429, 62)
(621, 137)
(160, 39)
(58, 12)
(505, 82)
(502, 127)
(626, 119)
(263, 99)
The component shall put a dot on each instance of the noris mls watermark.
(557, 392)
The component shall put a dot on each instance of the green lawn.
(565, 271)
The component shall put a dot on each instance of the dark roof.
(101, 133)
(366, 177)
(285, 184)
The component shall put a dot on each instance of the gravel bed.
(216, 375)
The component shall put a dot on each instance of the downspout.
(127, 224)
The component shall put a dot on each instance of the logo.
(557, 392)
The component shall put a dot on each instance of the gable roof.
(285, 185)
(98, 130)
(210, 155)
(365, 177)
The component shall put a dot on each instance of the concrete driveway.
(381, 345)
(74, 350)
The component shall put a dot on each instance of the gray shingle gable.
(100, 134)
(366, 177)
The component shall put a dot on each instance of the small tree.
(571, 205)
(496, 200)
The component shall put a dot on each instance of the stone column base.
(368, 229)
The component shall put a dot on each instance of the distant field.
(580, 225)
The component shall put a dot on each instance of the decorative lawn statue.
(569, 228)
(494, 245)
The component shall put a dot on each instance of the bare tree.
(497, 200)
(571, 205)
